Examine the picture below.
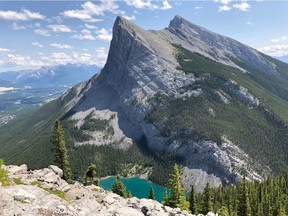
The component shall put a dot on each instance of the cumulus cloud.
(84, 35)
(61, 46)
(277, 40)
(23, 60)
(198, 7)
(88, 26)
(166, 6)
(129, 17)
(90, 10)
(244, 6)
(23, 15)
(37, 44)
(104, 34)
(42, 32)
(2, 50)
(225, 2)
(59, 28)
(17, 27)
(147, 4)
(224, 8)
(276, 50)
(98, 58)
(140, 4)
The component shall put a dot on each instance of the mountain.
(69, 74)
(182, 94)
(4, 83)
(33, 88)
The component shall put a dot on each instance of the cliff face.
(142, 63)
(43, 192)
(205, 99)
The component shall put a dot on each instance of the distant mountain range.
(69, 74)
(4, 83)
(183, 94)
(23, 90)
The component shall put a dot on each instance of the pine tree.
(207, 199)
(90, 175)
(61, 154)
(129, 194)
(165, 197)
(118, 187)
(177, 196)
(244, 208)
(192, 200)
(151, 193)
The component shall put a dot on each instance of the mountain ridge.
(184, 98)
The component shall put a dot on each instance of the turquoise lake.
(138, 187)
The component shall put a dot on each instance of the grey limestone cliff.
(141, 64)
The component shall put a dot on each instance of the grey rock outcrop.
(30, 198)
(142, 63)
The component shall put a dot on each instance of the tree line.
(269, 197)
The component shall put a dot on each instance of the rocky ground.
(43, 192)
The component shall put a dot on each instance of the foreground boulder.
(43, 192)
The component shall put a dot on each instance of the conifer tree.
(165, 197)
(118, 187)
(61, 154)
(207, 199)
(90, 175)
(177, 196)
(244, 208)
(192, 200)
(129, 194)
(151, 193)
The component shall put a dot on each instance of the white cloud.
(59, 28)
(277, 40)
(139, 4)
(61, 46)
(129, 17)
(198, 7)
(90, 26)
(225, 2)
(21, 60)
(84, 35)
(224, 8)
(101, 56)
(147, 4)
(76, 57)
(249, 23)
(42, 32)
(37, 44)
(16, 27)
(276, 50)
(244, 6)
(24, 15)
(166, 6)
(61, 58)
(85, 31)
(89, 10)
(104, 34)
(4, 50)
(37, 25)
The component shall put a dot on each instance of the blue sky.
(41, 33)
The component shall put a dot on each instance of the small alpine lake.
(139, 187)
